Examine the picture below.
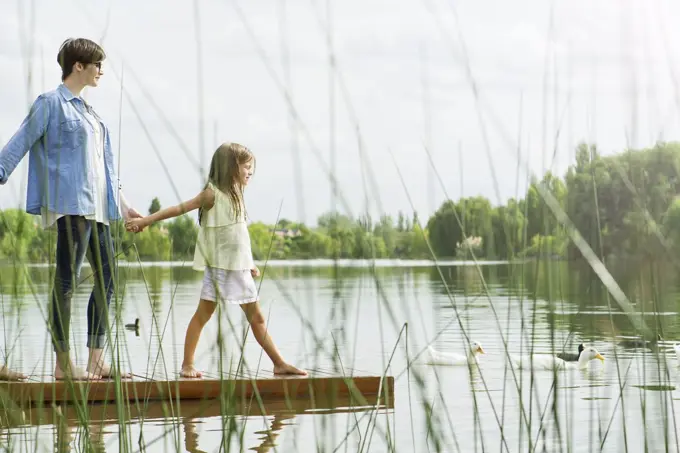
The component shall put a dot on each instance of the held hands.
(134, 221)
(255, 272)
(135, 225)
(133, 214)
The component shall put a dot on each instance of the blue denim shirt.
(60, 177)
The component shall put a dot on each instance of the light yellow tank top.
(223, 240)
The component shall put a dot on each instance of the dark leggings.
(78, 237)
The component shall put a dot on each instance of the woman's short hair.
(78, 50)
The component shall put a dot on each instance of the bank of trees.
(624, 205)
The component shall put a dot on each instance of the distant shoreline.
(348, 263)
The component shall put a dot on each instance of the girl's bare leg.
(203, 313)
(259, 327)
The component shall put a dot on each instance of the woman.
(73, 186)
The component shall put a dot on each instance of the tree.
(334, 220)
(385, 230)
(401, 222)
(540, 218)
(453, 222)
(413, 244)
(445, 230)
(415, 222)
(153, 244)
(617, 202)
(17, 231)
(155, 206)
(508, 224)
(310, 244)
(265, 244)
(183, 233)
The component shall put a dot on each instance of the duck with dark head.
(570, 356)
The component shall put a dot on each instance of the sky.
(494, 91)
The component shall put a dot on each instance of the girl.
(223, 252)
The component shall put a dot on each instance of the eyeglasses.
(97, 64)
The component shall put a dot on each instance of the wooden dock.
(185, 410)
(361, 390)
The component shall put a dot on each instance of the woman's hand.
(132, 214)
(135, 225)
(255, 272)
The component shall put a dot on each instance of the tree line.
(623, 205)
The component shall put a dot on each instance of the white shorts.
(227, 286)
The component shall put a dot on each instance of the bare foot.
(8, 375)
(97, 365)
(288, 369)
(74, 373)
(104, 371)
(189, 371)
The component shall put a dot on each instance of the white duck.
(452, 358)
(550, 362)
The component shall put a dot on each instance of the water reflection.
(184, 274)
(571, 296)
(190, 435)
(70, 438)
(154, 281)
(550, 305)
(85, 428)
(268, 436)
(467, 280)
(470, 279)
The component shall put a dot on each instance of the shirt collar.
(66, 93)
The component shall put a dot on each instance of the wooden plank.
(195, 389)
(110, 413)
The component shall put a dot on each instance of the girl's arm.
(205, 199)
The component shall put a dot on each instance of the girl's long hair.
(224, 174)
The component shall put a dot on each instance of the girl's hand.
(255, 272)
(135, 225)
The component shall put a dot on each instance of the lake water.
(321, 316)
